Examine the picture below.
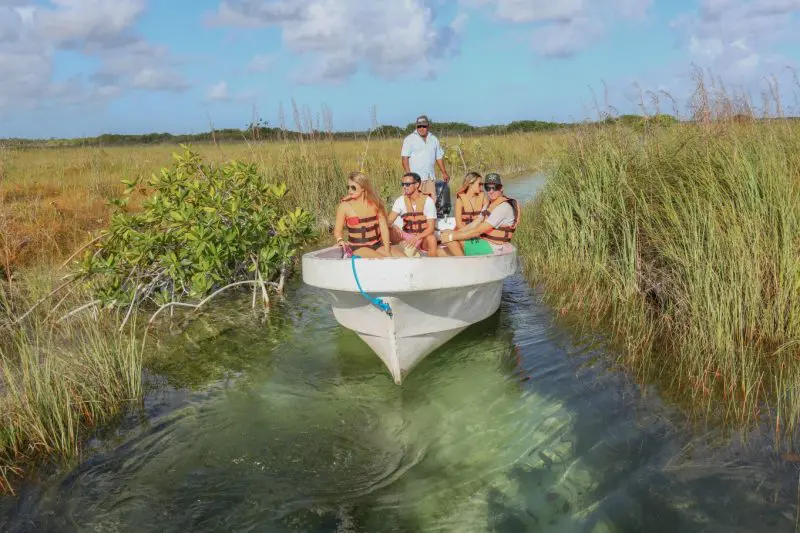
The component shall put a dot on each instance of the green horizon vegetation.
(261, 131)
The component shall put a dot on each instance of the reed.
(681, 243)
(58, 380)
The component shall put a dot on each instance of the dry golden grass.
(51, 200)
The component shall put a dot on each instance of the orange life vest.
(468, 216)
(363, 232)
(414, 221)
(502, 234)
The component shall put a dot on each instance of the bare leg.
(454, 248)
(431, 246)
(368, 253)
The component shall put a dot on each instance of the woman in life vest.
(364, 216)
(471, 201)
(493, 233)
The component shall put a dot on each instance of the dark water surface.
(295, 426)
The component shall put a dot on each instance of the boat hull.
(420, 323)
(431, 299)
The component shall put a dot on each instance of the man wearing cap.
(421, 151)
(488, 235)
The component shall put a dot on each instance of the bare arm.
(430, 226)
(385, 233)
(471, 232)
(341, 212)
(405, 163)
(445, 175)
(459, 210)
(392, 217)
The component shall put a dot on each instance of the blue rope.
(377, 302)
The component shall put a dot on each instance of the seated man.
(487, 236)
(417, 212)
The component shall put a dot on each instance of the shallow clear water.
(295, 425)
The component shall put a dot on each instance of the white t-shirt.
(422, 154)
(502, 215)
(399, 207)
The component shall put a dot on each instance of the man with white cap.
(421, 151)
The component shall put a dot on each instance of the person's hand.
(342, 243)
(445, 177)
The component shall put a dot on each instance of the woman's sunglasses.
(353, 188)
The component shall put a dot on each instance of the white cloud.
(738, 40)
(219, 92)
(32, 33)
(390, 39)
(535, 10)
(564, 39)
(566, 27)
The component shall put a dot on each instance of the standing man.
(421, 150)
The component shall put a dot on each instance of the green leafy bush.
(202, 227)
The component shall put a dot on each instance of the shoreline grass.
(59, 380)
(682, 243)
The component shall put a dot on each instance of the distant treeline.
(263, 132)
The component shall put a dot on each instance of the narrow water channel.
(296, 426)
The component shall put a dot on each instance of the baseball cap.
(493, 178)
(422, 120)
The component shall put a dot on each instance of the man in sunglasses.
(421, 151)
(489, 235)
(413, 217)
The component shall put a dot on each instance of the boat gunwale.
(407, 274)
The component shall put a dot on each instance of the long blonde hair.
(370, 196)
(469, 179)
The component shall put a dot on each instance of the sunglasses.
(422, 127)
(492, 187)
(408, 183)
(353, 188)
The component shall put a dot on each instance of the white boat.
(430, 300)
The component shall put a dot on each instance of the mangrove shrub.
(201, 227)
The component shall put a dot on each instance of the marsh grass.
(58, 380)
(682, 244)
(52, 200)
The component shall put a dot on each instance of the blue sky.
(84, 67)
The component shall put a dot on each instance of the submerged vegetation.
(683, 243)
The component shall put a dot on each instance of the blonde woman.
(362, 213)
(471, 200)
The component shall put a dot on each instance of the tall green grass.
(58, 379)
(682, 243)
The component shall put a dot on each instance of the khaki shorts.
(428, 187)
